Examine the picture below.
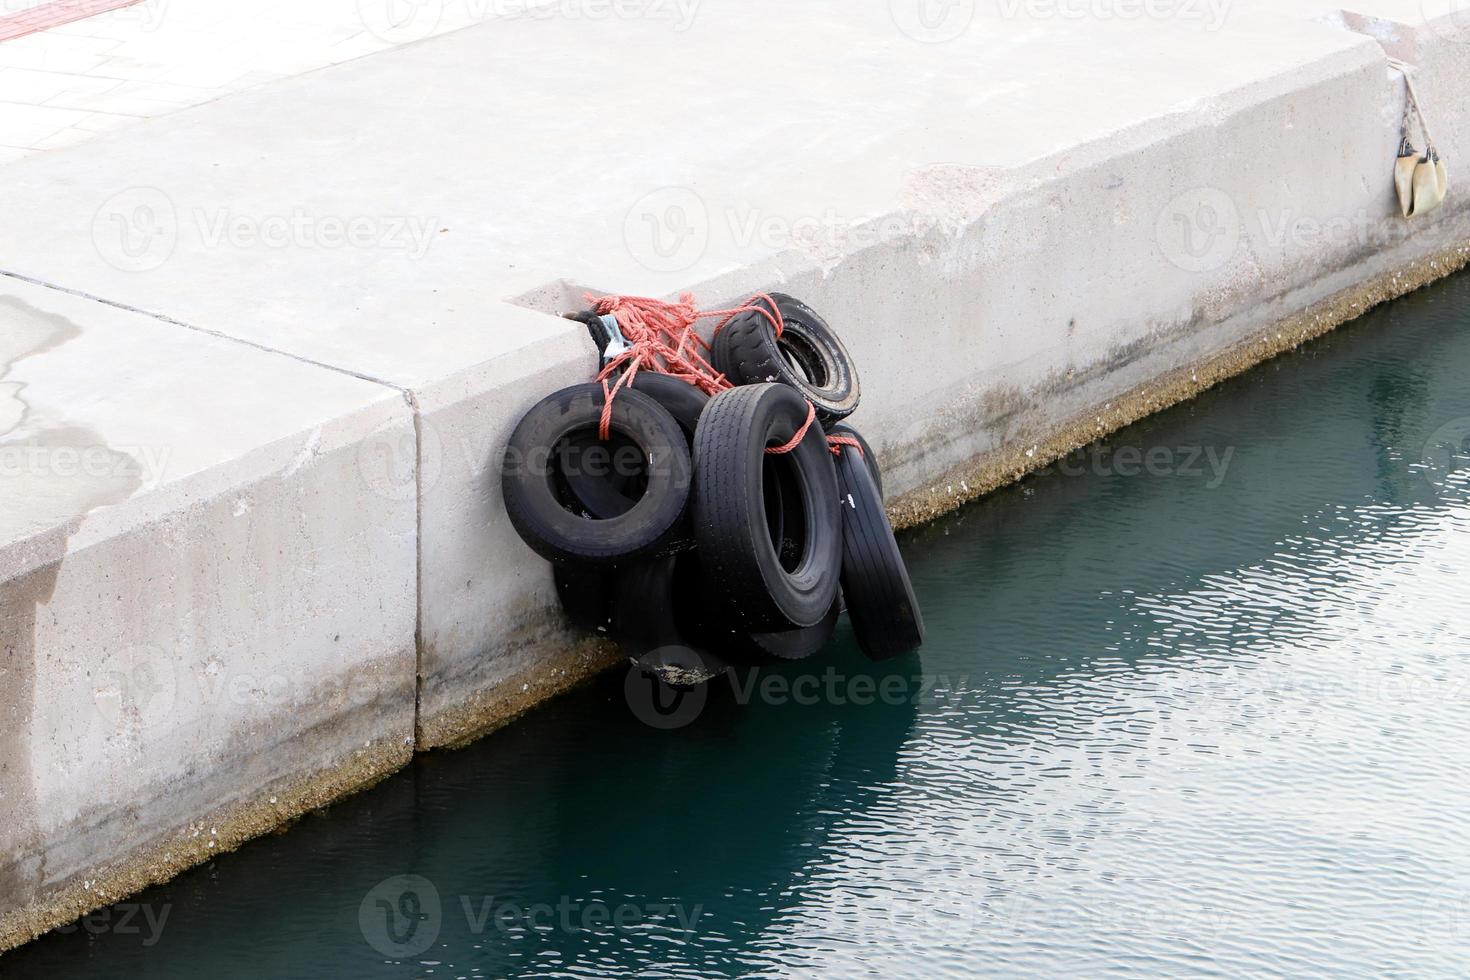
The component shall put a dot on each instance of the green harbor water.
(1195, 702)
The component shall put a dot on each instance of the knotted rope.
(663, 338)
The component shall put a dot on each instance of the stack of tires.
(691, 543)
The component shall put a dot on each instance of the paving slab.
(206, 624)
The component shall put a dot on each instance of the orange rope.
(811, 414)
(662, 338)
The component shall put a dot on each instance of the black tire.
(809, 356)
(875, 582)
(648, 627)
(601, 480)
(680, 399)
(703, 613)
(537, 509)
(586, 594)
(869, 457)
(731, 525)
(601, 490)
(727, 636)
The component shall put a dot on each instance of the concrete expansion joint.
(165, 318)
(408, 395)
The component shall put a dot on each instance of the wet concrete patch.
(26, 332)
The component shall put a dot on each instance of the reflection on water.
(1195, 702)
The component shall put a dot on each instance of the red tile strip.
(54, 14)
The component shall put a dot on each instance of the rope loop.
(781, 450)
(662, 338)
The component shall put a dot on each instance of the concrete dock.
(259, 357)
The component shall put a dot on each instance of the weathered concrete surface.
(492, 639)
(1030, 228)
(204, 629)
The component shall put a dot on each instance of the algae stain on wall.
(42, 504)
